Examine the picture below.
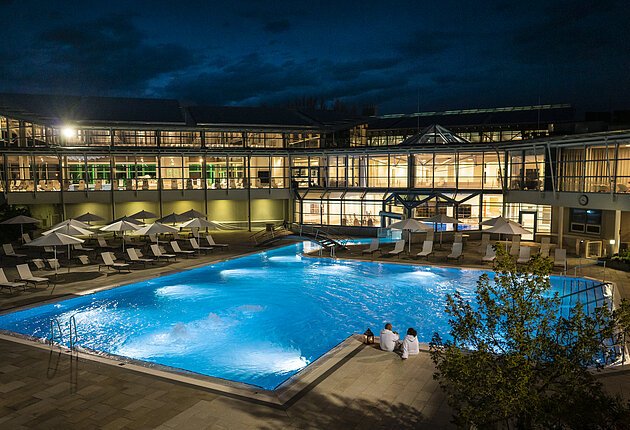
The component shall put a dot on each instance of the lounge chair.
(108, 261)
(524, 255)
(24, 272)
(195, 245)
(157, 253)
(515, 247)
(39, 263)
(545, 240)
(134, 258)
(4, 282)
(9, 252)
(490, 256)
(51, 250)
(485, 241)
(560, 258)
(544, 250)
(26, 238)
(102, 243)
(427, 249)
(53, 263)
(178, 250)
(399, 247)
(80, 247)
(458, 237)
(212, 243)
(84, 259)
(456, 251)
(374, 246)
(153, 238)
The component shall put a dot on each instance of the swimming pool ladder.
(56, 334)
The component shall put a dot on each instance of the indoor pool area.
(260, 318)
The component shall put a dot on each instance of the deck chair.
(195, 245)
(515, 247)
(485, 241)
(26, 238)
(80, 247)
(524, 255)
(134, 258)
(212, 243)
(544, 250)
(374, 246)
(427, 249)
(490, 256)
(39, 263)
(102, 243)
(178, 250)
(4, 282)
(108, 261)
(84, 259)
(545, 240)
(430, 236)
(456, 251)
(157, 253)
(458, 237)
(51, 250)
(9, 252)
(24, 272)
(560, 258)
(399, 247)
(153, 238)
(53, 263)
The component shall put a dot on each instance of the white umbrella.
(495, 221)
(69, 230)
(197, 223)
(21, 219)
(55, 239)
(72, 222)
(121, 226)
(509, 227)
(156, 228)
(409, 225)
(442, 219)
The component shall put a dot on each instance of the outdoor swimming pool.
(257, 319)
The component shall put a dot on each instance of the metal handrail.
(72, 324)
(55, 322)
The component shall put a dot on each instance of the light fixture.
(68, 132)
(612, 241)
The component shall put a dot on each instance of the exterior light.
(612, 241)
(68, 132)
(369, 337)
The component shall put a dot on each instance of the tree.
(514, 362)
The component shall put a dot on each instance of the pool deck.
(45, 388)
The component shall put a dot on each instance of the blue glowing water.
(257, 319)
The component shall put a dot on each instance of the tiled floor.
(41, 388)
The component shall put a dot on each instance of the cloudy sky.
(397, 55)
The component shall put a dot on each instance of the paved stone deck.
(43, 388)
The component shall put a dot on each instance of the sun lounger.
(108, 261)
(524, 255)
(456, 251)
(195, 245)
(544, 250)
(374, 246)
(560, 258)
(51, 250)
(134, 258)
(545, 240)
(515, 247)
(178, 250)
(490, 256)
(485, 241)
(4, 282)
(53, 263)
(427, 249)
(80, 247)
(9, 252)
(213, 244)
(84, 259)
(157, 253)
(26, 238)
(24, 272)
(102, 243)
(458, 237)
(399, 247)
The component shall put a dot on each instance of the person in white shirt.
(410, 344)
(389, 338)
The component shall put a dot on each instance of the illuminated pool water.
(257, 319)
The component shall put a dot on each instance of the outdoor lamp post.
(369, 337)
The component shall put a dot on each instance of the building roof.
(250, 116)
(61, 109)
(434, 135)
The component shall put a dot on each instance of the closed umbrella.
(197, 223)
(21, 220)
(193, 214)
(173, 218)
(156, 228)
(89, 217)
(409, 225)
(55, 239)
(143, 215)
(122, 227)
(442, 219)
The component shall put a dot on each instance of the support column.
(617, 233)
(560, 226)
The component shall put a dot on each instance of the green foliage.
(514, 362)
(623, 256)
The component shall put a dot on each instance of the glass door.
(528, 221)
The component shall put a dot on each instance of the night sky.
(397, 55)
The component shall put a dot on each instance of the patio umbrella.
(509, 228)
(197, 223)
(72, 222)
(128, 219)
(88, 218)
(121, 226)
(156, 228)
(69, 230)
(55, 239)
(495, 221)
(442, 219)
(409, 225)
(193, 214)
(173, 218)
(21, 220)
(143, 215)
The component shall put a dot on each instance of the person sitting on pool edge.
(410, 344)
(389, 339)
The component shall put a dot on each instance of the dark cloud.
(278, 26)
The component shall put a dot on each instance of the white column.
(560, 225)
(617, 232)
